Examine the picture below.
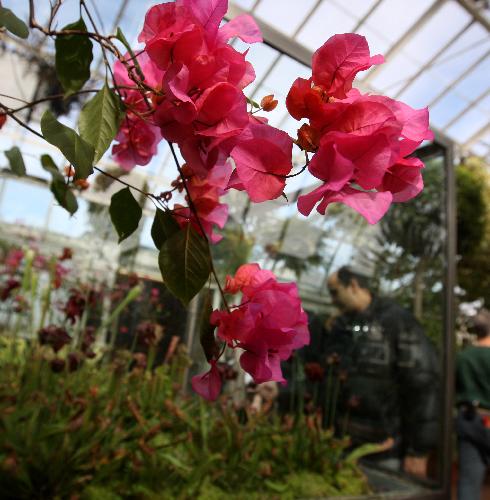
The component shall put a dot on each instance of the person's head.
(349, 290)
(480, 324)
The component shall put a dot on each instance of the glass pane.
(286, 20)
(327, 21)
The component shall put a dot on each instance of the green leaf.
(12, 23)
(78, 152)
(207, 338)
(125, 213)
(100, 119)
(73, 58)
(64, 195)
(120, 36)
(50, 166)
(253, 103)
(16, 161)
(61, 190)
(164, 226)
(185, 263)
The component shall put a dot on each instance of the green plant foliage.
(471, 206)
(16, 161)
(120, 36)
(473, 226)
(125, 213)
(185, 263)
(206, 330)
(12, 23)
(78, 152)
(73, 58)
(61, 190)
(164, 226)
(100, 119)
(64, 195)
(109, 432)
(50, 166)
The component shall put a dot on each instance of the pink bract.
(360, 142)
(208, 384)
(268, 324)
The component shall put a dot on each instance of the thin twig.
(8, 112)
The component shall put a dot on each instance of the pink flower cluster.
(360, 142)
(269, 324)
(193, 96)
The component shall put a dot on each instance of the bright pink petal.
(297, 101)
(404, 179)
(222, 111)
(208, 12)
(371, 156)
(415, 122)
(307, 202)
(208, 385)
(263, 159)
(363, 117)
(176, 86)
(371, 205)
(337, 62)
(331, 167)
(247, 275)
(156, 19)
(243, 27)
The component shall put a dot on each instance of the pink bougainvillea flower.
(208, 384)
(137, 143)
(268, 324)
(336, 63)
(205, 194)
(262, 157)
(247, 275)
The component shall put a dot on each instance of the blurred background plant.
(93, 407)
(125, 429)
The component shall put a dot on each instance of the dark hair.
(480, 324)
(346, 275)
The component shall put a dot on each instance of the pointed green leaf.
(207, 338)
(100, 119)
(50, 166)
(64, 195)
(12, 23)
(125, 213)
(78, 152)
(185, 263)
(120, 36)
(252, 102)
(61, 190)
(164, 226)
(16, 161)
(73, 58)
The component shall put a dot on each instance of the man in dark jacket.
(392, 372)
